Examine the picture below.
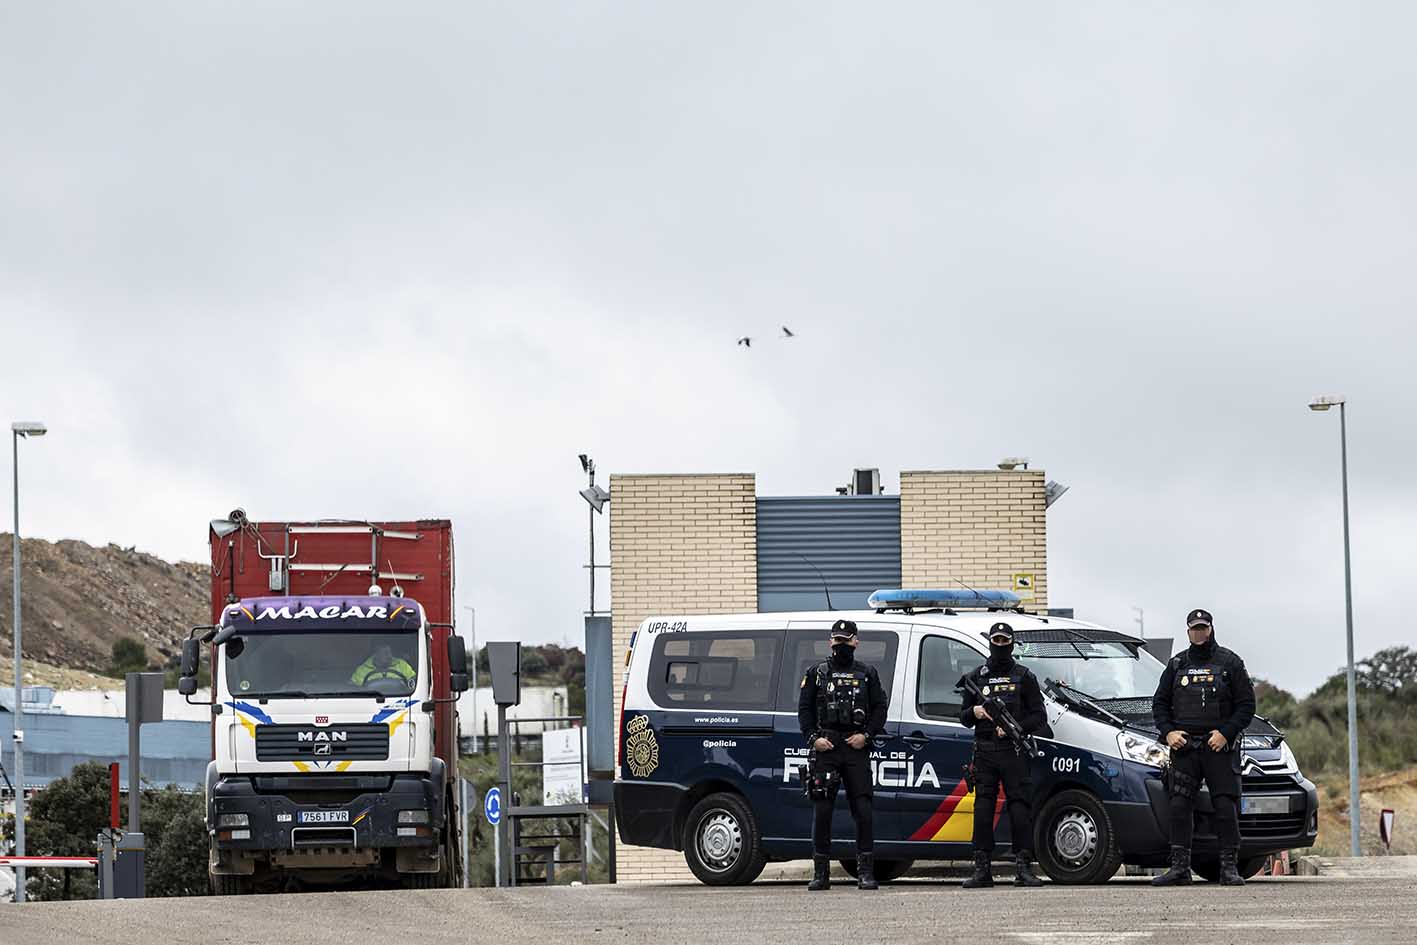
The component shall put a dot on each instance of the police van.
(711, 759)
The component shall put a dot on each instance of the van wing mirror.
(457, 664)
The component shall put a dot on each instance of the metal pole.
(19, 730)
(504, 776)
(592, 547)
(473, 622)
(463, 812)
(1354, 807)
(135, 728)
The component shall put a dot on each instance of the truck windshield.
(310, 664)
(1101, 670)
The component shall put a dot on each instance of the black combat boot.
(1229, 874)
(865, 871)
(983, 876)
(821, 874)
(1023, 870)
(1180, 872)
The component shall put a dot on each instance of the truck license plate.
(1264, 805)
(324, 816)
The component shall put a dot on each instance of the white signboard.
(563, 766)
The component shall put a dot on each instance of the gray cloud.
(356, 259)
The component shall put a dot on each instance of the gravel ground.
(1289, 910)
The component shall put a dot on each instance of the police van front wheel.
(721, 841)
(1076, 843)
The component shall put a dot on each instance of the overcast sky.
(398, 260)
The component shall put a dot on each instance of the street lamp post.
(596, 498)
(21, 428)
(1354, 809)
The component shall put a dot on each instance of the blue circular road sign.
(492, 805)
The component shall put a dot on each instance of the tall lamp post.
(1354, 810)
(21, 428)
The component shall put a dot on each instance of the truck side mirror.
(191, 656)
(187, 685)
(457, 664)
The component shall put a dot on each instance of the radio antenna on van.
(825, 589)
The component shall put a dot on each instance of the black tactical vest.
(1007, 687)
(842, 696)
(1200, 695)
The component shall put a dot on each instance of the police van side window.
(807, 648)
(734, 669)
(942, 662)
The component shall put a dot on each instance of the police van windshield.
(340, 663)
(1102, 670)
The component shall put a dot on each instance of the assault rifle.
(1023, 742)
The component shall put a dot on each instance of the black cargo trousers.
(995, 764)
(854, 767)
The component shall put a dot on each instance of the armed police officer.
(1203, 703)
(842, 706)
(1002, 682)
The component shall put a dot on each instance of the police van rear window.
(731, 669)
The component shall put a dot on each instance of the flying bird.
(788, 332)
(746, 342)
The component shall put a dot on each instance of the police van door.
(808, 645)
(935, 804)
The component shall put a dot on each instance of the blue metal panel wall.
(853, 540)
(173, 752)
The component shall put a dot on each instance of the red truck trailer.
(335, 670)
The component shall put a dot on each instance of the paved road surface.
(1312, 911)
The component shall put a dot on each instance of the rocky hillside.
(78, 599)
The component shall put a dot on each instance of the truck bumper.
(296, 813)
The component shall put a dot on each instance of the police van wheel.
(721, 841)
(1075, 841)
(886, 870)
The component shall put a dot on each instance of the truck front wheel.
(226, 885)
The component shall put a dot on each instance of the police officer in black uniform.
(995, 759)
(842, 706)
(1203, 703)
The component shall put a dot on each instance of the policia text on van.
(711, 757)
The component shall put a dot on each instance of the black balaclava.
(1206, 650)
(1001, 657)
(843, 654)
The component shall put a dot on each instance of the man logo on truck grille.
(641, 750)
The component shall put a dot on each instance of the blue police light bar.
(902, 599)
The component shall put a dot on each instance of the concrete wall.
(678, 544)
(979, 527)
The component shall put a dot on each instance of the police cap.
(844, 630)
(1001, 629)
(1199, 618)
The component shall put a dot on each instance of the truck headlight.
(1138, 748)
(413, 817)
(233, 820)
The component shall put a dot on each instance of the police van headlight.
(1138, 748)
(1287, 756)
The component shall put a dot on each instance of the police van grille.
(1265, 826)
(361, 742)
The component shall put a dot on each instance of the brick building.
(707, 543)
